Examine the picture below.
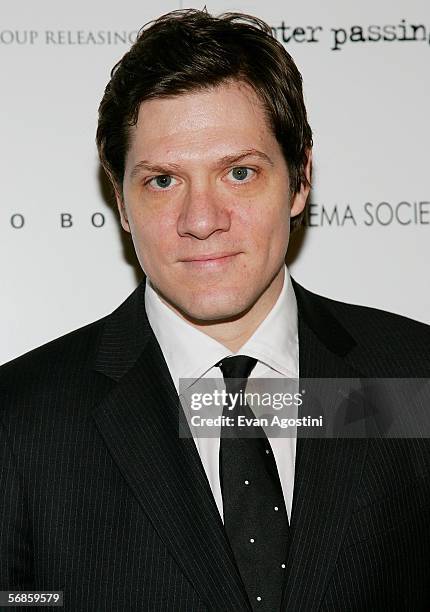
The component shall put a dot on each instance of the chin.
(218, 308)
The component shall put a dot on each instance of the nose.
(202, 213)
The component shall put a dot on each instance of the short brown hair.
(190, 50)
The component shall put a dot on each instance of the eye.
(241, 173)
(161, 182)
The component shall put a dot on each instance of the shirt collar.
(190, 353)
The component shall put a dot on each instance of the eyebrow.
(223, 161)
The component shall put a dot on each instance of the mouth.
(210, 260)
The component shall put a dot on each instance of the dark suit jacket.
(100, 498)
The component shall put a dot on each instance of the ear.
(299, 199)
(122, 210)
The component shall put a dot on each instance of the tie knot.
(239, 366)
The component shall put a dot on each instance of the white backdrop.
(367, 84)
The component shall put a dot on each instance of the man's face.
(206, 199)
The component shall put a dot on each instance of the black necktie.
(255, 517)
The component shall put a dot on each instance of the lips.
(208, 257)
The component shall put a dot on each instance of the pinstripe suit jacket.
(101, 499)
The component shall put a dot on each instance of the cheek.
(150, 228)
(266, 223)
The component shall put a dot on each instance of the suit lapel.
(327, 470)
(139, 422)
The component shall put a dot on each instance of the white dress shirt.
(190, 353)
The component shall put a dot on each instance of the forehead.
(201, 123)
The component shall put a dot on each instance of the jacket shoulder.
(57, 370)
(369, 320)
(385, 343)
(70, 348)
(65, 372)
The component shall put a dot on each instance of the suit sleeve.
(16, 570)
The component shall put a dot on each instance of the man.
(203, 133)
